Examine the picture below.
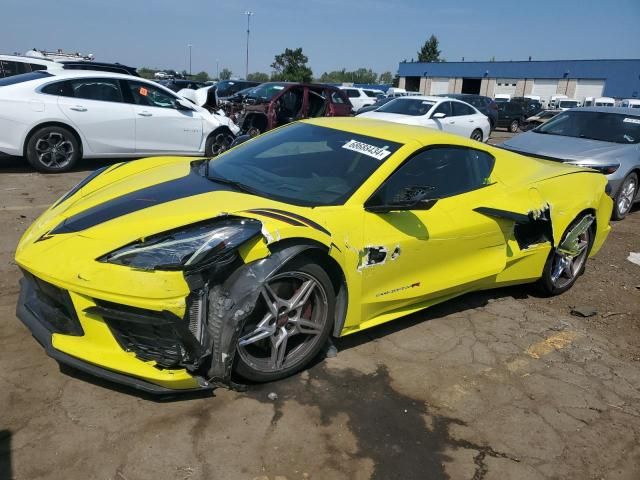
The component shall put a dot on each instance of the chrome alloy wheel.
(567, 267)
(626, 195)
(54, 150)
(289, 320)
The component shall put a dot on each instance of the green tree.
(291, 65)
(258, 77)
(386, 78)
(201, 77)
(429, 51)
(225, 74)
(145, 72)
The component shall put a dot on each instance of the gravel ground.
(497, 385)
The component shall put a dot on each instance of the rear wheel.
(289, 325)
(563, 269)
(53, 149)
(513, 126)
(624, 200)
(476, 135)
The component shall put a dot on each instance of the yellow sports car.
(172, 273)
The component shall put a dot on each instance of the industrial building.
(577, 79)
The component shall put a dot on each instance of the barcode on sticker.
(632, 120)
(366, 149)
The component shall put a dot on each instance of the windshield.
(604, 104)
(501, 99)
(303, 164)
(24, 77)
(407, 106)
(265, 91)
(568, 104)
(606, 127)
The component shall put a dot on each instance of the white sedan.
(56, 118)
(442, 113)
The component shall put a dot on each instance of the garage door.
(544, 88)
(439, 86)
(506, 85)
(589, 88)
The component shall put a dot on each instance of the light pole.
(217, 69)
(189, 58)
(248, 14)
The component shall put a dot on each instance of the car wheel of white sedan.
(218, 142)
(53, 149)
(476, 135)
(625, 197)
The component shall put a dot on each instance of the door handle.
(145, 114)
(471, 121)
(451, 123)
(78, 108)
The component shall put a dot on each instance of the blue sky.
(334, 34)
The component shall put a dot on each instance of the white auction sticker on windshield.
(632, 120)
(366, 149)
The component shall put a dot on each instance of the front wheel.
(476, 135)
(218, 142)
(290, 324)
(563, 268)
(513, 126)
(624, 200)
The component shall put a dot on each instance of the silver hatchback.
(606, 139)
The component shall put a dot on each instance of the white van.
(604, 102)
(588, 101)
(537, 98)
(553, 101)
(567, 103)
(630, 103)
(502, 97)
(396, 92)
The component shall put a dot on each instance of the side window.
(103, 89)
(460, 109)
(10, 69)
(351, 93)
(35, 66)
(444, 107)
(150, 96)
(58, 88)
(337, 98)
(441, 171)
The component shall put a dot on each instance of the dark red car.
(274, 104)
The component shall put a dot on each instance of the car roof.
(95, 73)
(618, 110)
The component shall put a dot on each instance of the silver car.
(603, 138)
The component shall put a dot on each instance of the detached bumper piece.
(46, 309)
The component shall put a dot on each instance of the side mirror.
(439, 115)
(183, 105)
(409, 198)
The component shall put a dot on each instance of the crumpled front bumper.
(68, 334)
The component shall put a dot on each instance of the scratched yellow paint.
(550, 344)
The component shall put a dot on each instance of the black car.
(176, 84)
(227, 88)
(487, 106)
(531, 106)
(511, 115)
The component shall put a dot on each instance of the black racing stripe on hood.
(302, 219)
(188, 186)
(277, 216)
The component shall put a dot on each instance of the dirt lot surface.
(498, 385)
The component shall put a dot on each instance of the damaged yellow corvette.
(171, 273)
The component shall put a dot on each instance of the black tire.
(546, 282)
(477, 135)
(53, 149)
(626, 194)
(248, 362)
(514, 125)
(219, 141)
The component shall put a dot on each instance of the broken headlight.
(187, 247)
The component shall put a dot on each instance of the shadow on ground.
(6, 469)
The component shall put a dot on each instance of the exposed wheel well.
(319, 254)
(52, 124)
(257, 120)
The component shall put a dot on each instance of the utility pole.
(217, 69)
(248, 14)
(189, 58)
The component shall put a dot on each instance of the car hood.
(566, 148)
(391, 117)
(135, 200)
